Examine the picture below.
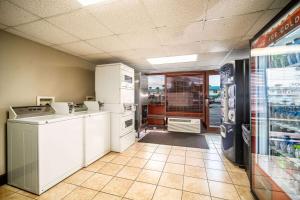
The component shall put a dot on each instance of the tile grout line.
(154, 151)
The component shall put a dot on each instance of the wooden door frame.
(208, 73)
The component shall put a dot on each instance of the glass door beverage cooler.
(275, 107)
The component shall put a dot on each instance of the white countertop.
(55, 117)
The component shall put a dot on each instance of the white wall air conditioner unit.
(186, 125)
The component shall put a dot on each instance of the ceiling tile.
(109, 43)
(101, 58)
(197, 67)
(237, 54)
(125, 55)
(262, 21)
(218, 45)
(143, 68)
(176, 65)
(242, 44)
(80, 48)
(81, 24)
(175, 12)
(24, 35)
(152, 52)
(204, 46)
(181, 34)
(179, 67)
(227, 8)
(279, 4)
(229, 28)
(138, 63)
(46, 31)
(141, 39)
(211, 58)
(11, 15)
(184, 49)
(46, 8)
(123, 16)
(140, 67)
(57, 47)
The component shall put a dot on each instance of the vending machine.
(234, 108)
(275, 107)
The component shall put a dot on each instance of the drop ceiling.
(131, 31)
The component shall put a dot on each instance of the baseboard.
(3, 179)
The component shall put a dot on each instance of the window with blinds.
(185, 94)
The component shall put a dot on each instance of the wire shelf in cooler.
(290, 95)
(286, 126)
(284, 140)
(282, 119)
(283, 134)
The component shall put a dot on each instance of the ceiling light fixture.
(89, 2)
(173, 59)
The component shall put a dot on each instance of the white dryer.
(43, 148)
(114, 85)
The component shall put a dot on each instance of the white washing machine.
(43, 148)
(96, 134)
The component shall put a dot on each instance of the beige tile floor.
(151, 171)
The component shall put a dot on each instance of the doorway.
(213, 101)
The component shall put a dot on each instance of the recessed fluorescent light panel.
(173, 59)
(89, 2)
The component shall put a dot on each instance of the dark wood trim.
(3, 179)
(203, 116)
(185, 114)
(277, 17)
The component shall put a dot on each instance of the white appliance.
(115, 87)
(122, 131)
(43, 148)
(97, 133)
(96, 130)
(189, 125)
(63, 107)
(114, 84)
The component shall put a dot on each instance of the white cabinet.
(114, 83)
(41, 155)
(96, 136)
